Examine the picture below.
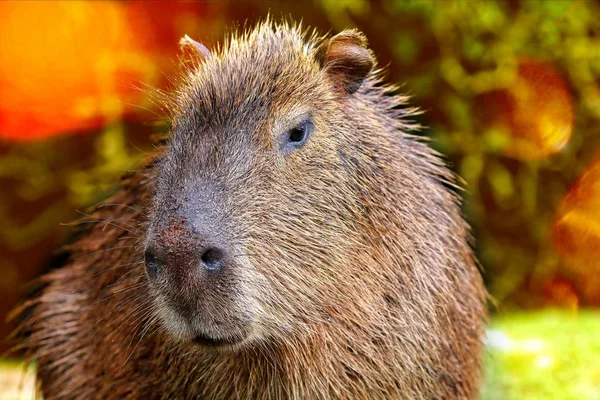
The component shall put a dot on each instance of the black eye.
(296, 137)
(298, 134)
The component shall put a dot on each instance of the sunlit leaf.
(535, 109)
(577, 232)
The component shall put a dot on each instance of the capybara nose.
(182, 250)
(209, 258)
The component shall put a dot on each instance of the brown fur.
(354, 266)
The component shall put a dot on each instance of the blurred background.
(511, 94)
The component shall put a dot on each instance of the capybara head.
(258, 199)
(292, 239)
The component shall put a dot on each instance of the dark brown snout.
(179, 248)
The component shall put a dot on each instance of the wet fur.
(360, 275)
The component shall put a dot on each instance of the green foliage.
(42, 171)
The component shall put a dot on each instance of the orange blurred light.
(577, 233)
(535, 111)
(75, 65)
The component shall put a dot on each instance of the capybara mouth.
(208, 341)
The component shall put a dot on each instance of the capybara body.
(290, 240)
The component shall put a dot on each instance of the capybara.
(289, 239)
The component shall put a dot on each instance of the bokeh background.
(511, 94)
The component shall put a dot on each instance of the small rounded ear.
(198, 49)
(346, 59)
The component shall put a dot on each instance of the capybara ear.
(197, 49)
(346, 59)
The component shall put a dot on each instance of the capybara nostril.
(212, 259)
(152, 262)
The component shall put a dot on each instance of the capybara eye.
(296, 137)
(298, 134)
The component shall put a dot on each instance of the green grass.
(535, 355)
(543, 355)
